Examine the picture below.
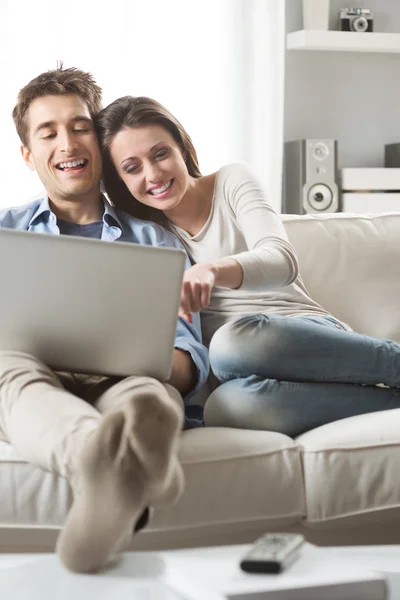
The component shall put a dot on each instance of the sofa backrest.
(350, 264)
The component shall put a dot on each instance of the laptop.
(90, 306)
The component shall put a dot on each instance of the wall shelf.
(343, 41)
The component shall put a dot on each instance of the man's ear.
(28, 158)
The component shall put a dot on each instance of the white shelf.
(370, 179)
(344, 41)
(370, 203)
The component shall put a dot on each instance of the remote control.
(272, 552)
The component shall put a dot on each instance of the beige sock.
(128, 463)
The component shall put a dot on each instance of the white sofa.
(338, 484)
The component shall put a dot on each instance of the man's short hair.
(55, 83)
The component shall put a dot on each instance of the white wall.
(216, 64)
(181, 53)
(351, 97)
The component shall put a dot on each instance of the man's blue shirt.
(122, 227)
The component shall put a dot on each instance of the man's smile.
(76, 165)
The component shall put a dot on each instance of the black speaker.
(310, 176)
(392, 155)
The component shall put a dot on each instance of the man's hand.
(198, 281)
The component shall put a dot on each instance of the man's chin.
(74, 192)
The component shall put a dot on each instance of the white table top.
(195, 574)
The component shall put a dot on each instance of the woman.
(283, 362)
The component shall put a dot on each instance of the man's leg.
(46, 424)
(151, 402)
(129, 463)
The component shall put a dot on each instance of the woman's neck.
(194, 209)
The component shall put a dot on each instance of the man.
(115, 440)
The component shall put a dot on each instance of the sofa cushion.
(350, 264)
(232, 476)
(351, 470)
(29, 495)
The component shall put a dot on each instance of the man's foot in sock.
(127, 464)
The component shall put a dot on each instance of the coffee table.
(194, 574)
(140, 576)
(383, 559)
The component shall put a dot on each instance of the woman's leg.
(311, 349)
(292, 407)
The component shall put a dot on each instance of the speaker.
(392, 155)
(310, 176)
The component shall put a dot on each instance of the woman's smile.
(161, 191)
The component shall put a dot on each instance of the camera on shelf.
(356, 19)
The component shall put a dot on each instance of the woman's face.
(150, 163)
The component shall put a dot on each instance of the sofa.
(338, 484)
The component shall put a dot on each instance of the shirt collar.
(45, 213)
(110, 215)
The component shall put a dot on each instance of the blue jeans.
(292, 374)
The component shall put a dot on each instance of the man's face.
(63, 147)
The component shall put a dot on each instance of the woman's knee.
(229, 341)
(232, 334)
(232, 404)
(238, 346)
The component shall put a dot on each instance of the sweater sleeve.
(270, 261)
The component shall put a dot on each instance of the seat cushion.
(351, 470)
(232, 476)
(29, 495)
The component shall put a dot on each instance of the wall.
(171, 51)
(351, 97)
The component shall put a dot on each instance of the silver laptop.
(90, 306)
